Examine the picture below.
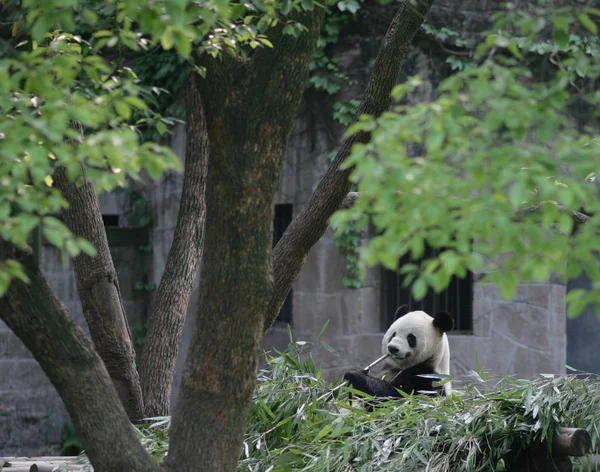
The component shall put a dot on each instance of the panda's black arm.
(362, 381)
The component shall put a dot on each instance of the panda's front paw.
(358, 379)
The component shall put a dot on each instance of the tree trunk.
(250, 108)
(173, 294)
(69, 359)
(100, 295)
(307, 228)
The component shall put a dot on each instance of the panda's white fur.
(431, 346)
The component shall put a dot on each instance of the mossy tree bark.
(67, 356)
(250, 108)
(99, 292)
(173, 294)
(307, 228)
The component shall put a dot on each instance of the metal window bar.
(283, 217)
(457, 299)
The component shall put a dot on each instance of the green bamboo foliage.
(295, 424)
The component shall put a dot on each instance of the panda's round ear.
(443, 321)
(400, 311)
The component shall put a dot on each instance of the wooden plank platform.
(70, 464)
(43, 464)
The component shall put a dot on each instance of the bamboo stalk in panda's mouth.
(376, 361)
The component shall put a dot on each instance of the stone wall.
(523, 337)
(32, 414)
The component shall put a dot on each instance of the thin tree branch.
(290, 252)
(173, 294)
(578, 217)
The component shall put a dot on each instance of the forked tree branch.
(67, 356)
(305, 230)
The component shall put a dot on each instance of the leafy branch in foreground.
(456, 174)
(63, 62)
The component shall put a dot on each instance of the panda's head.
(415, 337)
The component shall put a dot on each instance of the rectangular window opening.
(283, 217)
(110, 220)
(457, 299)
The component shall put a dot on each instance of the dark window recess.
(110, 220)
(457, 299)
(283, 217)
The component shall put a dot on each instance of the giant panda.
(416, 344)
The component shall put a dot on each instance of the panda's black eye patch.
(392, 336)
(412, 340)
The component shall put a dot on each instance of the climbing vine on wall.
(348, 242)
(326, 77)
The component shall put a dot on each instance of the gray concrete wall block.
(178, 140)
(372, 277)
(536, 295)
(31, 422)
(16, 349)
(50, 259)
(558, 309)
(4, 344)
(483, 310)
(24, 374)
(353, 352)
(165, 199)
(360, 311)
(12, 349)
(508, 356)
(367, 349)
(465, 349)
(312, 310)
(162, 238)
(74, 308)
(523, 325)
(323, 269)
(459, 370)
(59, 282)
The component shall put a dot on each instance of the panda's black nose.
(393, 350)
